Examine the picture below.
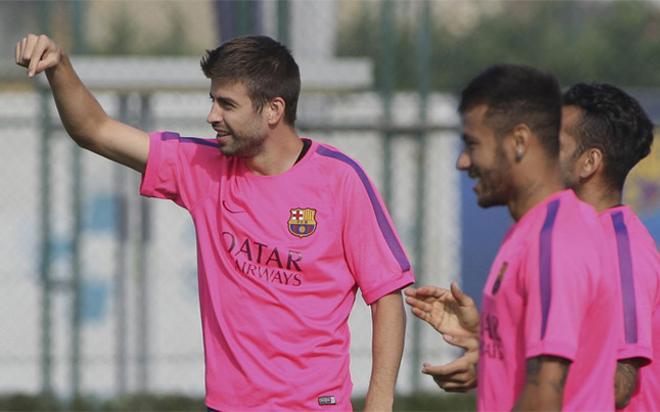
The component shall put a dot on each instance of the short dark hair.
(265, 66)
(518, 94)
(613, 122)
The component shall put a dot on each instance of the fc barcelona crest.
(302, 222)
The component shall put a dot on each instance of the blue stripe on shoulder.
(195, 140)
(385, 228)
(628, 297)
(545, 262)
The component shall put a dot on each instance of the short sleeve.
(178, 168)
(639, 271)
(559, 283)
(637, 336)
(372, 247)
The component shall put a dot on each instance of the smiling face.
(483, 158)
(568, 147)
(240, 129)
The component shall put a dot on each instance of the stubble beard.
(495, 183)
(241, 145)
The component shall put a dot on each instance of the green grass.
(429, 402)
(179, 403)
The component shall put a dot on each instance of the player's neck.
(598, 196)
(280, 152)
(532, 190)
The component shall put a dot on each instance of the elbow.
(82, 141)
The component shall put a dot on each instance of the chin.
(486, 203)
(489, 201)
(227, 151)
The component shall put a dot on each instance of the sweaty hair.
(515, 95)
(613, 122)
(263, 65)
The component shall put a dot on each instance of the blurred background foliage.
(604, 41)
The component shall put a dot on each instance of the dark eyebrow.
(224, 100)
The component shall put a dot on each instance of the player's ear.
(521, 136)
(275, 111)
(590, 162)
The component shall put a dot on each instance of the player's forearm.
(544, 384)
(625, 381)
(389, 324)
(82, 116)
(540, 397)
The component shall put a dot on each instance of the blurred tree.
(617, 41)
(125, 36)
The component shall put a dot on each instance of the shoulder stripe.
(383, 224)
(627, 279)
(545, 262)
(196, 140)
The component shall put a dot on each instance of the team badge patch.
(302, 222)
(498, 281)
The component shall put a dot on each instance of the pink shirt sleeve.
(177, 168)
(558, 282)
(638, 270)
(372, 247)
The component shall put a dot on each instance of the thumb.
(465, 342)
(461, 297)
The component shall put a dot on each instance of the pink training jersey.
(279, 261)
(548, 293)
(638, 271)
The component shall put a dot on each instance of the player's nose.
(215, 115)
(463, 162)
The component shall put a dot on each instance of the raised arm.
(82, 116)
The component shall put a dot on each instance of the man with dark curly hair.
(604, 134)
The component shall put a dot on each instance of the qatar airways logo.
(267, 263)
(491, 345)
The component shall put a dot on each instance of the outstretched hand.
(450, 312)
(460, 375)
(37, 53)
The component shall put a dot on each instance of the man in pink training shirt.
(287, 230)
(547, 335)
(605, 133)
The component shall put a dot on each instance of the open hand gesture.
(451, 312)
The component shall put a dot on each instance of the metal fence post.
(121, 265)
(385, 86)
(77, 210)
(143, 306)
(283, 21)
(45, 212)
(423, 66)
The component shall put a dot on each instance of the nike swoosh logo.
(230, 210)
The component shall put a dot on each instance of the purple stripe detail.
(626, 276)
(196, 140)
(545, 263)
(383, 224)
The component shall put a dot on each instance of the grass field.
(172, 403)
